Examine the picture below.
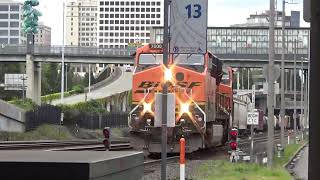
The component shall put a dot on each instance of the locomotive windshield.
(191, 61)
(146, 61)
(150, 59)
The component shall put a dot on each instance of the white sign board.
(188, 26)
(170, 110)
(15, 81)
(253, 118)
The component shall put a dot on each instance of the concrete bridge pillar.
(33, 71)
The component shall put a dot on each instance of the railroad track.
(79, 145)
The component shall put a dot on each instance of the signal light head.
(234, 133)
(106, 143)
(233, 145)
(106, 132)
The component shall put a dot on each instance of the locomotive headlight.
(167, 75)
(184, 108)
(147, 107)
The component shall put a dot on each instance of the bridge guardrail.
(68, 50)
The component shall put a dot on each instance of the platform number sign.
(188, 26)
(196, 8)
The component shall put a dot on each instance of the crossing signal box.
(233, 139)
(106, 141)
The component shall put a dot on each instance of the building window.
(3, 24)
(14, 41)
(14, 33)
(14, 8)
(3, 16)
(4, 8)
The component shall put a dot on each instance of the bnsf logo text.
(150, 84)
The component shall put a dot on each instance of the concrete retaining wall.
(12, 118)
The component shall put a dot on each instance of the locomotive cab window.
(225, 77)
(191, 61)
(146, 61)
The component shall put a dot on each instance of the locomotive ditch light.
(184, 108)
(147, 107)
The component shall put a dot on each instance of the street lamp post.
(282, 105)
(295, 90)
(62, 58)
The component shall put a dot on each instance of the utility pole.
(165, 93)
(301, 96)
(62, 59)
(248, 78)
(238, 81)
(282, 108)
(295, 90)
(89, 78)
(271, 81)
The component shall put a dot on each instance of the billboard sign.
(188, 26)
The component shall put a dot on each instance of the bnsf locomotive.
(202, 105)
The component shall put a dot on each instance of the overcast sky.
(221, 13)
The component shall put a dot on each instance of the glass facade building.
(249, 40)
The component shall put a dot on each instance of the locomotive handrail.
(136, 107)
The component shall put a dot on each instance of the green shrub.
(77, 89)
(50, 97)
(25, 104)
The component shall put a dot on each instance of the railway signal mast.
(233, 145)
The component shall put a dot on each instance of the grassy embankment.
(224, 170)
(43, 132)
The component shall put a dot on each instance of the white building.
(125, 22)
(11, 31)
(81, 28)
(262, 20)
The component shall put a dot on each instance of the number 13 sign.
(188, 26)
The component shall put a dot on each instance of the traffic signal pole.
(271, 79)
(165, 93)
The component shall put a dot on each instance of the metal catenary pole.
(165, 92)
(295, 91)
(282, 108)
(271, 86)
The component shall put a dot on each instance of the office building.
(81, 28)
(122, 23)
(43, 37)
(11, 23)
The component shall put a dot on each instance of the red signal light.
(106, 132)
(106, 141)
(234, 133)
(233, 145)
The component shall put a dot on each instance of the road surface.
(121, 84)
